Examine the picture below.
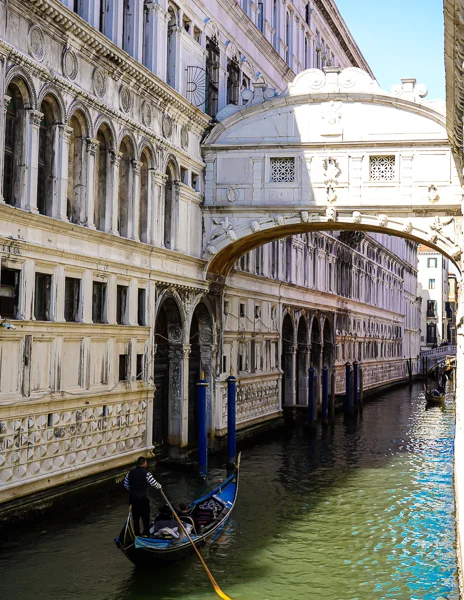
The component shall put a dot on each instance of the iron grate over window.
(282, 170)
(382, 168)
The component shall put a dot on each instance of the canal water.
(363, 512)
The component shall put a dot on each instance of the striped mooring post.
(202, 433)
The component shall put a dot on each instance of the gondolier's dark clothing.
(136, 483)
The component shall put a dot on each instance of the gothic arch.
(77, 105)
(170, 162)
(146, 143)
(51, 90)
(126, 133)
(25, 84)
(174, 295)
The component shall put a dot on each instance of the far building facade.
(433, 288)
(102, 174)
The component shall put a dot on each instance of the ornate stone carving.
(147, 113)
(70, 64)
(432, 193)
(382, 220)
(92, 145)
(175, 333)
(331, 213)
(304, 215)
(210, 249)
(100, 79)
(279, 220)
(166, 125)
(232, 194)
(36, 42)
(356, 216)
(184, 137)
(35, 117)
(332, 118)
(125, 99)
(407, 227)
(331, 170)
(255, 226)
(223, 227)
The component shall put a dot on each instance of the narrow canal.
(365, 512)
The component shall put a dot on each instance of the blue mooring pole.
(348, 388)
(231, 419)
(325, 395)
(311, 399)
(202, 435)
(355, 385)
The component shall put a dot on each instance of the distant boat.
(212, 511)
(435, 397)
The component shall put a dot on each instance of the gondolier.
(136, 483)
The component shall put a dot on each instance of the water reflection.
(365, 512)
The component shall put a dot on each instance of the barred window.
(282, 169)
(382, 168)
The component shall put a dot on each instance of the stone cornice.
(119, 63)
(336, 23)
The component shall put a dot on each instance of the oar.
(217, 589)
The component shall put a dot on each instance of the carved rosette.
(36, 42)
(125, 99)
(184, 137)
(69, 64)
(166, 126)
(147, 113)
(99, 82)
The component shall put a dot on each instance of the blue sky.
(400, 39)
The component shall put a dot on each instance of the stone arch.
(146, 161)
(170, 292)
(127, 149)
(302, 360)
(128, 134)
(60, 113)
(200, 361)
(288, 359)
(168, 369)
(103, 175)
(77, 168)
(144, 144)
(171, 163)
(103, 120)
(79, 106)
(25, 84)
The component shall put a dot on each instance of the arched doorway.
(327, 349)
(288, 362)
(302, 361)
(200, 361)
(169, 208)
(167, 422)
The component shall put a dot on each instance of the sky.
(400, 39)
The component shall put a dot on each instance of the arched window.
(13, 157)
(125, 186)
(145, 159)
(77, 184)
(168, 207)
(171, 48)
(102, 165)
(46, 160)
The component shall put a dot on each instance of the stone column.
(134, 210)
(6, 101)
(175, 215)
(29, 200)
(158, 208)
(160, 26)
(175, 394)
(112, 194)
(85, 309)
(206, 353)
(91, 150)
(290, 375)
(59, 209)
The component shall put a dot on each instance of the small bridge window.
(382, 168)
(282, 169)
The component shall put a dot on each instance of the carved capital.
(65, 132)
(92, 145)
(115, 157)
(137, 166)
(6, 101)
(35, 117)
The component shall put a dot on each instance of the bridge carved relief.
(334, 151)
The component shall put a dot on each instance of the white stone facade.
(106, 212)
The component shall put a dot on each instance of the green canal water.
(364, 512)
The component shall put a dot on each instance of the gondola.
(212, 511)
(434, 397)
